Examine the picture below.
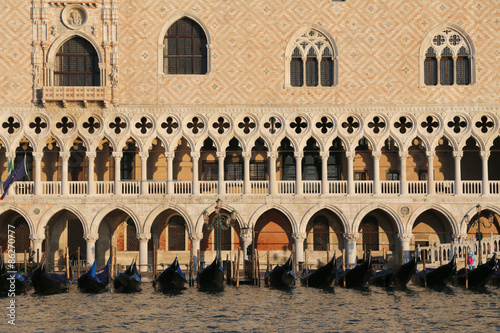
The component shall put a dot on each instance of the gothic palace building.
(328, 125)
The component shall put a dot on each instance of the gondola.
(49, 283)
(397, 279)
(281, 277)
(171, 279)
(212, 277)
(20, 283)
(128, 281)
(357, 277)
(436, 278)
(495, 279)
(95, 282)
(479, 277)
(322, 277)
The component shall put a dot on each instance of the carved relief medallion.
(74, 16)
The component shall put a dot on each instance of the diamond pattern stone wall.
(378, 43)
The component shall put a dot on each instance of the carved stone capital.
(38, 155)
(299, 236)
(350, 154)
(37, 238)
(272, 155)
(458, 153)
(485, 154)
(197, 236)
(324, 154)
(170, 155)
(91, 154)
(65, 155)
(403, 154)
(143, 237)
(458, 238)
(117, 154)
(405, 237)
(195, 154)
(91, 237)
(298, 154)
(247, 155)
(376, 155)
(144, 155)
(221, 155)
(351, 237)
(430, 153)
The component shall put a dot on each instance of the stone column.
(350, 249)
(272, 156)
(118, 186)
(299, 238)
(457, 155)
(170, 172)
(299, 188)
(376, 172)
(221, 156)
(143, 251)
(91, 239)
(405, 246)
(403, 155)
(350, 172)
(91, 182)
(37, 246)
(246, 173)
(430, 172)
(246, 238)
(64, 172)
(324, 172)
(485, 155)
(144, 172)
(195, 245)
(196, 182)
(37, 156)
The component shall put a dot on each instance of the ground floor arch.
(20, 234)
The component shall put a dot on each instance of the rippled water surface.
(254, 309)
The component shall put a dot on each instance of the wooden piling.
(466, 273)
(425, 273)
(198, 270)
(37, 256)
(258, 266)
(25, 264)
(155, 261)
(440, 257)
(238, 268)
(67, 263)
(343, 267)
(1, 253)
(268, 261)
(305, 266)
(78, 262)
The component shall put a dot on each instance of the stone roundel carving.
(12, 125)
(74, 16)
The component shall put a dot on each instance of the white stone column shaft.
(37, 156)
(485, 155)
(37, 246)
(457, 155)
(247, 187)
(299, 187)
(91, 239)
(430, 172)
(405, 246)
(376, 172)
(299, 246)
(403, 155)
(144, 172)
(350, 172)
(324, 172)
(195, 245)
(143, 251)
(196, 180)
(64, 172)
(118, 188)
(170, 172)
(350, 249)
(221, 156)
(272, 156)
(91, 179)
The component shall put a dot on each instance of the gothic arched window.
(312, 61)
(176, 234)
(448, 58)
(77, 64)
(185, 48)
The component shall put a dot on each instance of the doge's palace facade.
(327, 125)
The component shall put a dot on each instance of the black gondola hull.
(322, 277)
(281, 277)
(126, 284)
(20, 287)
(170, 281)
(357, 277)
(44, 285)
(397, 279)
(437, 278)
(212, 277)
(89, 285)
(476, 278)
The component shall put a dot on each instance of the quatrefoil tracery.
(170, 125)
(92, 124)
(144, 125)
(273, 125)
(350, 124)
(247, 125)
(65, 125)
(38, 125)
(118, 125)
(12, 125)
(403, 124)
(325, 124)
(377, 124)
(485, 124)
(195, 125)
(299, 124)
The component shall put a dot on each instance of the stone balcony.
(75, 94)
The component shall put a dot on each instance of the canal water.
(254, 309)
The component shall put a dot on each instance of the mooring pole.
(343, 266)
(78, 262)
(238, 268)
(466, 273)
(425, 273)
